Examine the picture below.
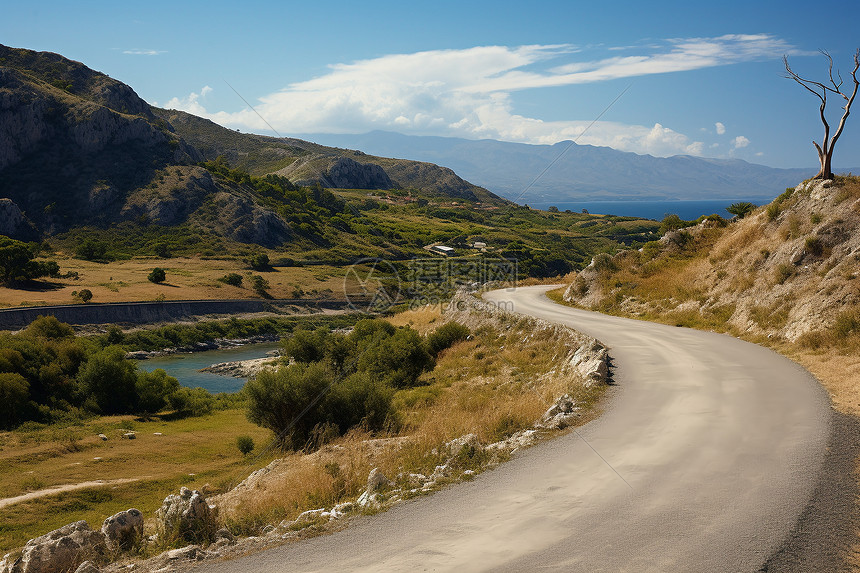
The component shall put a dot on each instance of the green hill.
(82, 157)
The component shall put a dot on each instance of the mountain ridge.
(583, 172)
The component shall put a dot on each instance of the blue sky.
(701, 79)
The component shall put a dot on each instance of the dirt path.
(62, 488)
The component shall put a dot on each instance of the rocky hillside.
(789, 270)
(80, 148)
(307, 163)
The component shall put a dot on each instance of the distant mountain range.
(570, 172)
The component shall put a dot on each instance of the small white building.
(442, 250)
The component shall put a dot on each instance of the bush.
(359, 400)
(153, 389)
(17, 264)
(307, 346)
(14, 395)
(260, 285)
(398, 359)
(446, 336)
(191, 401)
(783, 272)
(672, 222)
(603, 263)
(245, 444)
(232, 279)
(289, 401)
(162, 250)
(157, 275)
(259, 262)
(741, 209)
(814, 246)
(92, 250)
(83, 295)
(48, 327)
(108, 381)
(847, 323)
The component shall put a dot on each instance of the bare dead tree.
(820, 89)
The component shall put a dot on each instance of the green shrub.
(307, 346)
(398, 359)
(158, 275)
(162, 250)
(92, 250)
(83, 295)
(232, 279)
(260, 285)
(245, 444)
(814, 246)
(446, 336)
(50, 328)
(847, 323)
(108, 381)
(17, 264)
(191, 401)
(603, 263)
(153, 389)
(741, 209)
(14, 397)
(259, 262)
(360, 399)
(289, 401)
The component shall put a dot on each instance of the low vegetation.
(785, 276)
(393, 408)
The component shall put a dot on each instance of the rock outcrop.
(347, 173)
(123, 530)
(59, 551)
(187, 516)
(14, 224)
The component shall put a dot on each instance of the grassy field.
(194, 452)
(191, 278)
(496, 383)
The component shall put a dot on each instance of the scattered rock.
(189, 553)
(187, 516)
(310, 515)
(123, 530)
(87, 567)
(61, 550)
(129, 436)
(103, 437)
(560, 415)
(376, 480)
(457, 444)
(440, 472)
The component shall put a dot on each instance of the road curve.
(706, 456)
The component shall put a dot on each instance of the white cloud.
(740, 141)
(137, 52)
(467, 93)
(721, 129)
(191, 103)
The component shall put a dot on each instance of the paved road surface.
(706, 455)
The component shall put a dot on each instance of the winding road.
(707, 453)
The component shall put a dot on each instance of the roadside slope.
(706, 458)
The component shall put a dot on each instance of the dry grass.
(492, 385)
(187, 279)
(195, 452)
